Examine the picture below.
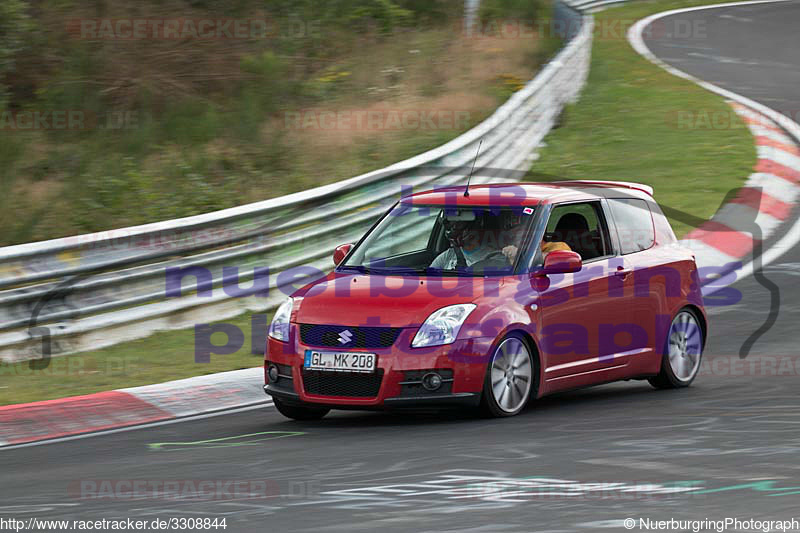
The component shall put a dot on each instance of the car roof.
(530, 194)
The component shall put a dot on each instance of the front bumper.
(462, 362)
(433, 401)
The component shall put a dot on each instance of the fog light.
(272, 372)
(431, 381)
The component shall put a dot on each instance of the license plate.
(340, 361)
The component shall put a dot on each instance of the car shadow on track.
(587, 402)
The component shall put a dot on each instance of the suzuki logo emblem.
(345, 336)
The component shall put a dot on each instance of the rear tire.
(510, 378)
(683, 352)
(299, 412)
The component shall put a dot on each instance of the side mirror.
(340, 253)
(561, 262)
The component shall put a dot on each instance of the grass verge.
(164, 356)
(626, 126)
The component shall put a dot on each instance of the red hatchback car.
(490, 297)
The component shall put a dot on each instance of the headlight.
(279, 329)
(442, 326)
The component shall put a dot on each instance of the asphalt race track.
(725, 448)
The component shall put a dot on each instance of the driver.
(470, 245)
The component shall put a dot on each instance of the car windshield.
(463, 241)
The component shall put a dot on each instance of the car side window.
(634, 223)
(579, 227)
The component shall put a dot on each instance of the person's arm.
(443, 259)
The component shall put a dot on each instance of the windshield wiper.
(410, 270)
(396, 271)
(358, 268)
(423, 271)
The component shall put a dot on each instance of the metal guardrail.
(590, 6)
(90, 291)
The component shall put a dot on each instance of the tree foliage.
(15, 25)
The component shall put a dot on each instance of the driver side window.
(579, 227)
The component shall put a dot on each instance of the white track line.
(792, 236)
(190, 418)
(770, 134)
(774, 186)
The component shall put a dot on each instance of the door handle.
(622, 272)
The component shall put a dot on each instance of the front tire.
(682, 353)
(510, 378)
(299, 412)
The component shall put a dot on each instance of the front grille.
(355, 337)
(353, 385)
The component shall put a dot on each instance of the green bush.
(14, 27)
(385, 13)
(432, 11)
(528, 10)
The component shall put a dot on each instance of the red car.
(489, 297)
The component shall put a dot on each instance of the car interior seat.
(573, 229)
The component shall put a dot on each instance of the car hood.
(392, 301)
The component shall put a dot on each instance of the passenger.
(548, 247)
